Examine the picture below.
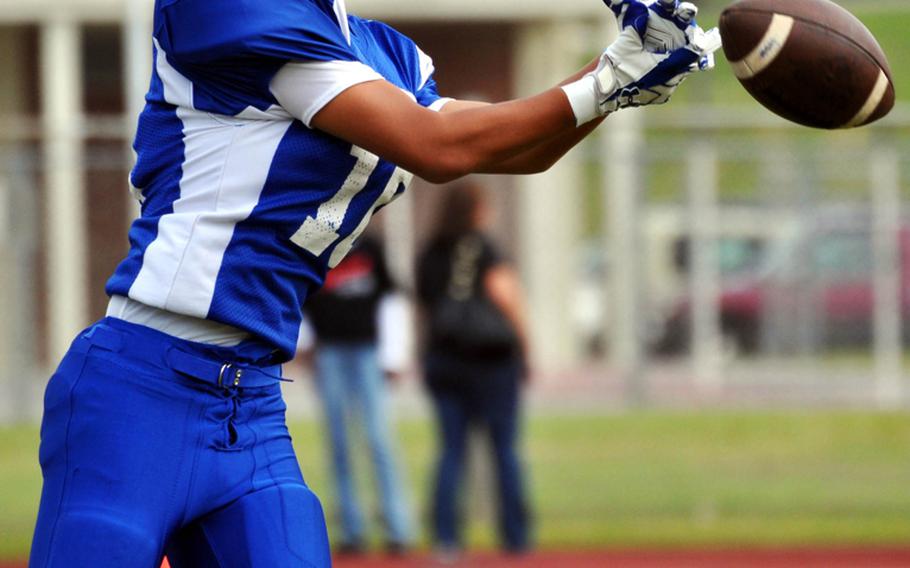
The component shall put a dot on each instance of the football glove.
(659, 45)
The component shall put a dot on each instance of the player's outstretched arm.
(541, 157)
(526, 135)
(441, 147)
(536, 158)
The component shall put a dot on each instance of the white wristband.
(582, 96)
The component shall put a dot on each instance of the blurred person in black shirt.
(474, 361)
(351, 368)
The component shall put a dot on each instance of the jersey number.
(319, 233)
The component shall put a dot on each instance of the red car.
(815, 291)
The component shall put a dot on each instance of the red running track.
(660, 559)
(832, 558)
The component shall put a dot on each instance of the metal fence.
(19, 260)
(768, 264)
(764, 264)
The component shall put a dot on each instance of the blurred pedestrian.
(474, 362)
(351, 373)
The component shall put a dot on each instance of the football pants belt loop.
(222, 374)
(225, 374)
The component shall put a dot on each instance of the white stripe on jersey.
(341, 13)
(226, 164)
(426, 68)
(177, 89)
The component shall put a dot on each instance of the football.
(809, 61)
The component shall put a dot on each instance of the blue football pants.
(140, 460)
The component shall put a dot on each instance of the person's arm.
(306, 343)
(503, 287)
(539, 158)
(542, 157)
(441, 147)
(394, 334)
(523, 135)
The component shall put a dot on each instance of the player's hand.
(659, 45)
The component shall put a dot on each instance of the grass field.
(643, 480)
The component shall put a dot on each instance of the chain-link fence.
(25, 357)
(19, 261)
(771, 264)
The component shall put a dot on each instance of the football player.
(273, 130)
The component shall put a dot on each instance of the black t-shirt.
(434, 275)
(344, 310)
(434, 269)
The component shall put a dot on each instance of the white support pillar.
(884, 168)
(704, 276)
(399, 233)
(137, 60)
(623, 143)
(19, 231)
(8, 277)
(11, 95)
(61, 90)
(548, 52)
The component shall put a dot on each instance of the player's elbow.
(440, 178)
(441, 175)
(525, 166)
(442, 164)
(533, 167)
(447, 150)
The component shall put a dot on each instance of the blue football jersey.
(244, 207)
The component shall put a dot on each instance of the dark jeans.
(484, 393)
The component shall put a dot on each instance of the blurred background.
(718, 299)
